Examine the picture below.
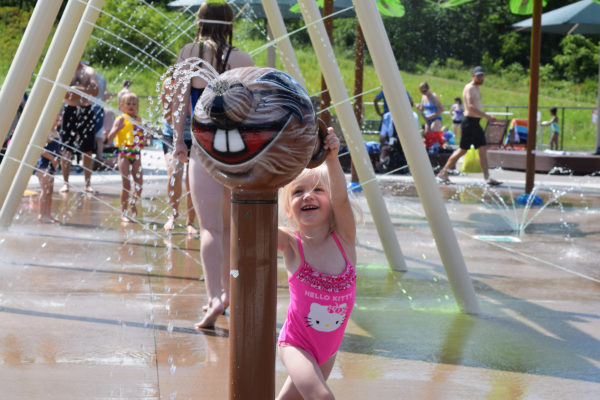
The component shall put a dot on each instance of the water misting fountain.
(121, 301)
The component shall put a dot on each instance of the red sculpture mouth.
(236, 145)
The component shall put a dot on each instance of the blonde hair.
(285, 197)
(128, 95)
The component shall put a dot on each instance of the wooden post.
(252, 324)
(534, 77)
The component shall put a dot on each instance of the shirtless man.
(472, 133)
(77, 129)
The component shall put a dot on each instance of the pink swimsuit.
(320, 305)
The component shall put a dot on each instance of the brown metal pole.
(325, 97)
(252, 325)
(534, 77)
(359, 61)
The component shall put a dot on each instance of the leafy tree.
(128, 33)
(579, 58)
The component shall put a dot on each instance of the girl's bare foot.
(133, 210)
(224, 301)
(170, 224)
(191, 230)
(212, 313)
(47, 220)
(126, 219)
(64, 188)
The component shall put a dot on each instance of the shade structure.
(254, 8)
(582, 17)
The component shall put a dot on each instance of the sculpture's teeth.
(220, 142)
(235, 141)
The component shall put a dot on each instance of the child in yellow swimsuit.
(128, 137)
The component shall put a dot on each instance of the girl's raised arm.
(340, 203)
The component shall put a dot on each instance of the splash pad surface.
(94, 309)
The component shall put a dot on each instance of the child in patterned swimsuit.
(45, 169)
(319, 256)
(128, 136)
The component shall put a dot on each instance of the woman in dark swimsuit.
(210, 198)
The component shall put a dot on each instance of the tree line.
(474, 33)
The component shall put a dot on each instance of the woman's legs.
(207, 196)
(456, 128)
(435, 125)
(306, 380)
(175, 172)
(191, 213)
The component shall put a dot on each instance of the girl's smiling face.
(129, 105)
(310, 202)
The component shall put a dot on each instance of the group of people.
(465, 122)
(81, 128)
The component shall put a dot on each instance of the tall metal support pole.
(284, 45)
(352, 134)
(252, 324)
(52, 107)
(39, 95)
(534, 79)
(420, 167)
(26, 57)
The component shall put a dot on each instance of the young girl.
(554, 129)
(457, 112)
(319, 256)
(129, 139)
(45, 169)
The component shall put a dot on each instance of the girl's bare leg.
(138, 179)
(124, 167)
(47, 187)
(306, 380)
(554, 142)
(207, 196)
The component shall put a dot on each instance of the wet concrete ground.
(92, 309)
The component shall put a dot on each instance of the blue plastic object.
(354, 187)
(527, 198)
